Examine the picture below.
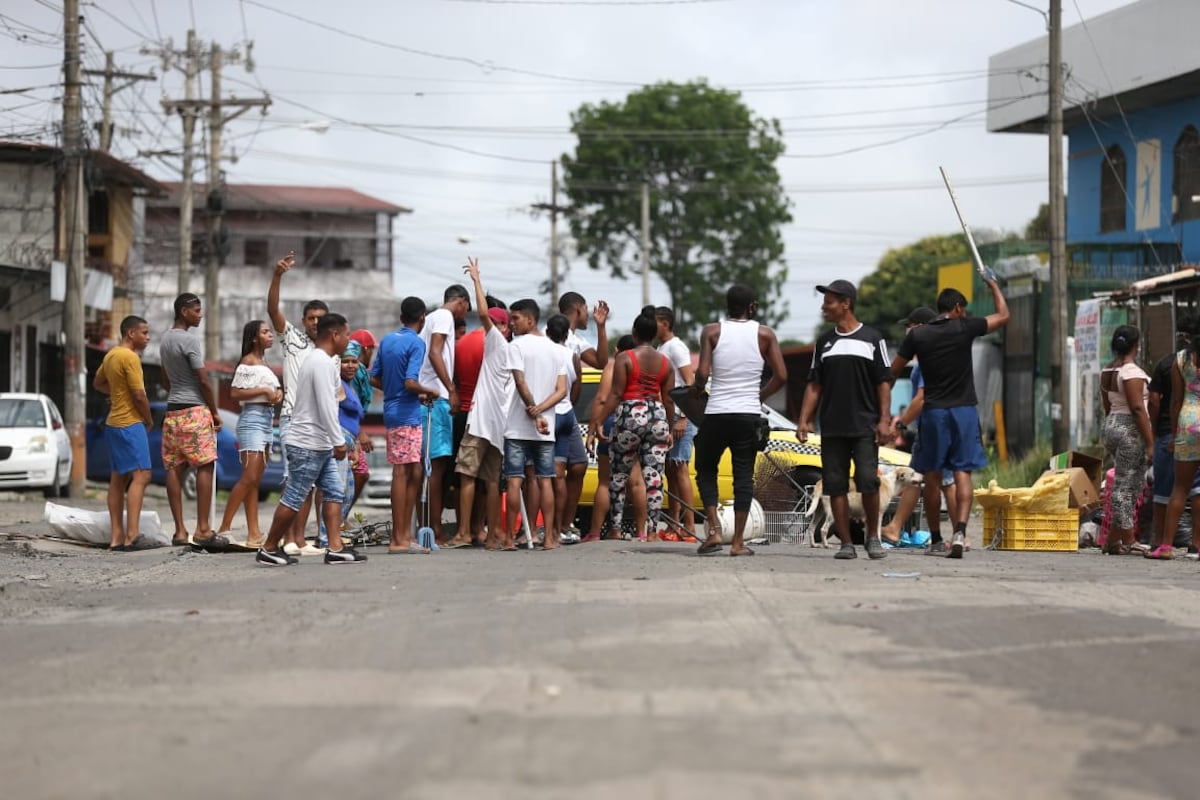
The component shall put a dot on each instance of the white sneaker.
(292, 549)
(311, 550)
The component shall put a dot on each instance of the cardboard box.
(1072, 459)
(1083, 493)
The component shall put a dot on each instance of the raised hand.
(286, 263)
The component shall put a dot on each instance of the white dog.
(891, 484)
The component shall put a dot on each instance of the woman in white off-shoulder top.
(256, 387)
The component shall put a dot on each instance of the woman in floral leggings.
(1185, 413)
(641, 384)
(1128, 437)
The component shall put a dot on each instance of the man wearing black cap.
(949, 436)
(850, 388)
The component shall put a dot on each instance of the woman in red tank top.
(642, 381)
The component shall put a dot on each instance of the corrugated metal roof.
(259, 196)
(111, 167)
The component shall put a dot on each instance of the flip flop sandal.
(709, 549)
(746, 552)
(184, 542)
(218, 541)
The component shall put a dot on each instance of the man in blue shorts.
(949, 436)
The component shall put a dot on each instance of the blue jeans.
(681, 450)
(518, 451)
(309, 468)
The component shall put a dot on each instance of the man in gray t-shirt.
(189, 431)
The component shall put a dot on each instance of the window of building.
(256, 252)
(1112, 190)
(1186, 186)
(322, 251)
(98, 213)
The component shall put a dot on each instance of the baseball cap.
(364, 338)
(919, 316)
(498, 315)
(840, 288)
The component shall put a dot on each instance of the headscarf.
(353, 350)
(361, 380)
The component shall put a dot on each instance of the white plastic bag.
(94, 527)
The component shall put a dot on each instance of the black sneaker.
(846, 551)
(938, 548)
(347, 555)
(958, 543)
(278, 558)
(875, 548)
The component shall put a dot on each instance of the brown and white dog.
(891, 484)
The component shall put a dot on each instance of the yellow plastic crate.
(1020, 530)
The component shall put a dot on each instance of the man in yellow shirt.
(120, 377)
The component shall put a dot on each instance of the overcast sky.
(500, 77)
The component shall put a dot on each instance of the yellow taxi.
(779, 472)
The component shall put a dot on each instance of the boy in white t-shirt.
(681, 498)
(438, 370)
(539, 378)
(482, 447)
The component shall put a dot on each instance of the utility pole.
(554, 208)
(76, 219)
(1059, 287)
(645, 244)
(110, 72)
(190, 106)
(554, 234)
(215, 205)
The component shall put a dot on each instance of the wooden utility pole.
(554, 234)
(645, 244)
(555, 209)
(190, 106)
(76, 214)
(215, 205)
(1059, 280)
(187, 196)
(110, 72)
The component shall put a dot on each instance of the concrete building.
(33, 251)
(1131, 116)
(343, 241)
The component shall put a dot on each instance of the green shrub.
(1016, 473)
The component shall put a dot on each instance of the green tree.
(905, 278)
(716, 203)
(1038, 228)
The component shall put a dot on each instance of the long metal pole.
(1059, 289)
(186, 194)
(76, 246)
(212, 276)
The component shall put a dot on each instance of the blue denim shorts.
(439, 427)
(681, 450)
(128, 448)
(949, 439)
(255, 428)
(606, 429)
(518, 451)
(568, 441)
(309, 468)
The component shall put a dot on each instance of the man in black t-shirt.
(949, 437)
(850, 392)
(1164, 432)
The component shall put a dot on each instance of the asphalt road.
(597, 671)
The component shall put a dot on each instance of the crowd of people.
(495, 406)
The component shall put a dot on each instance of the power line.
(590, 2)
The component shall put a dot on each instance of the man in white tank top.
(732, 354)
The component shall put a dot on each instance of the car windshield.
(21, 414)
(778, 421)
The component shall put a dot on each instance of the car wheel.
(55, 489)
(189, 484)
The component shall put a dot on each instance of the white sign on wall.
(1087, 335)
(1148, 185)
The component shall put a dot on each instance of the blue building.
(1132, 118)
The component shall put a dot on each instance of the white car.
(35, 452)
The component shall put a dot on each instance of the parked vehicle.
(229, 465)
(35, 451)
